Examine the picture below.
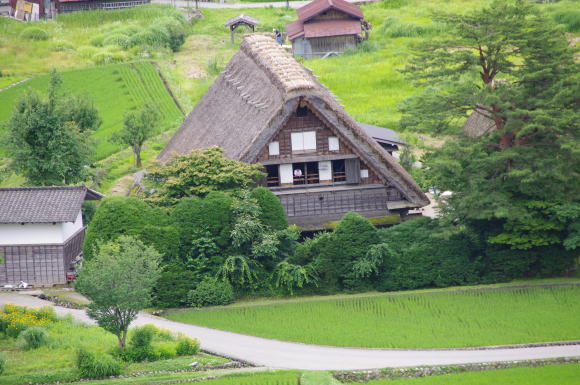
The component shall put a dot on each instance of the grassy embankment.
(407, 320)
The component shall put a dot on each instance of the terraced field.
(115, 90)
(428, 320)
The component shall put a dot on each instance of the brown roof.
(252, 98)
(331, 28)
(295, 29)
(43, 204)
(242, 19)
(317, 7)
(478, 124)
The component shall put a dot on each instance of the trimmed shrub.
(416, 256)
(34, 33)
(165, 239)
(118, 216)
(97, 365)
(142, 336)
(175, 282)
(273, 214)
(34, 337)
(187, 346)
(349, 242)
(211, 292)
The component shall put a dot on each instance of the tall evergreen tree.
(511, 65)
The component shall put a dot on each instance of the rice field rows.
(429, 320)
(567, 374)
(115, 90)
(279, 378)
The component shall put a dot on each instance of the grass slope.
(429, 320)
(567, 374)
(115, 89)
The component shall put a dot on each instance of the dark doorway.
(273, 178)
(338, 171)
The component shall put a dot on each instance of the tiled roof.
(381, 134)
(43, 204)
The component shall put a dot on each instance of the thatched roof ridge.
(282, 68)
(253, 97)
(478, 124)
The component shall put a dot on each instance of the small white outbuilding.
(41, 232)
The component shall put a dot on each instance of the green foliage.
(175, 281)
(416, 254)
(34, 33)
(2, 364)
(187, 346)
(165, 239)
(117, 216)
(199, 173)
(349, 243)
(407, 159)
(96, 365)
(239, 269)
(138, 127)
(294, 276)
(119, 281)
(393, 27)
(412, 320)
(211, 292)
(142, 336)
(45, 145)
(34, 337)
(272, 213)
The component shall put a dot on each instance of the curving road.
(290, 355)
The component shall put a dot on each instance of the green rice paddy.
(428, 320)
(115, 90)
(567, 374)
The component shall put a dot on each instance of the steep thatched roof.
(253, 97)
(478, 124)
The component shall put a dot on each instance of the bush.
(34, 33)
(166, 351)
(349, 242)
(121, 216)
(211, 292)
(175, 282)
(62, 45)
(2, 364)
(273, 214)
(165, 239)
(96, 365)
(187, 346)
(417, 256)
(34, 337)
(108, 57)
(142, 336)
(117, 39)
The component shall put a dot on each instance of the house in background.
(267, 108)
(31, 10)
(325, 27)
(41, 232)
(385, 137)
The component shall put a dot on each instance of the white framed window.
(303, 141)
(364, 173)
(333, 144)
(274, 148)
(286, 174)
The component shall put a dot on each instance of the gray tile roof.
(382, 134)
(43, 204)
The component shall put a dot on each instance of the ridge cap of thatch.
(281, 68)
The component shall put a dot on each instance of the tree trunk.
(122, 337)
(138, 163)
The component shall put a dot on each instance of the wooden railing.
(339, 176)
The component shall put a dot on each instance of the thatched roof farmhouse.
(267, 108)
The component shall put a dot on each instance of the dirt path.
(280, 354)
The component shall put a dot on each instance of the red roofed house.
(326, 26)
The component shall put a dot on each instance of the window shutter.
(297, 141)
(333, 144)
(325, 171)
(286, 174)
(310, 140)
(274, 148)
(352, 168)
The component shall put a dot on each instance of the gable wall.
(311, 122)
(332, 14)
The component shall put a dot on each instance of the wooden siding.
(338, 202)
(333, 14)
(311, 122)
(39, 265)
(322, 45)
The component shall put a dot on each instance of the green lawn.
(56, 361)
(414, 320)
(567, 374)
(115, 90)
